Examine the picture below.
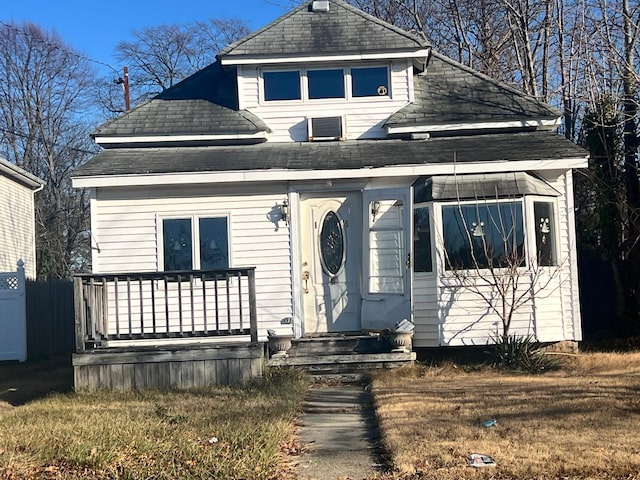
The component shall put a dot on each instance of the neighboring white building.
(341, 157)
(17, 218)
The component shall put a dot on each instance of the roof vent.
(320, 6)
(325, 128)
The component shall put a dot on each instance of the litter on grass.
(490, 423)
(479, 460)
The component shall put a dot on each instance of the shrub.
(520, 353)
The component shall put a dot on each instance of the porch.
(190, 329)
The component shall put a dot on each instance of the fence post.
(253, 309)
(22, 309)
(80, 312)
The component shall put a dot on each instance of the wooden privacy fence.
(164, 305)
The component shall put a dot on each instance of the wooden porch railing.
(164, 305)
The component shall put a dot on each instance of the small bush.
(520, 353)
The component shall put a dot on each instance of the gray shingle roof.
(343, 29)
(206, 103)
(485, 185)
(448, 92)
(539, 145)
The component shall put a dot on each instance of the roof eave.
(395, 129)
(273, 175)
(421, 54)
(21, 176)
(135, 140)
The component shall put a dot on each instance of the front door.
(331, 262)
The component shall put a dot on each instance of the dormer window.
(370, 82)
(282, 85)
(326, 83)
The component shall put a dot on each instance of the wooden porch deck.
(194, 329)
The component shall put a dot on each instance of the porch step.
(337, 345)
(342, 358)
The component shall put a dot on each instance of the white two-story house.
(352, 168)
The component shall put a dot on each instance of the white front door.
(331, 262)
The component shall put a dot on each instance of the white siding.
(126, 233)
(425, 311)
(363, 116)
(17, 227)
(467, 319)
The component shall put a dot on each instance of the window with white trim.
(422, 258)
(545, 228)
(483, 234)
(326, 83)
(195, 243)
(370, 82)
(282, 85)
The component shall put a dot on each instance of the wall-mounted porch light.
(284, 211)
(375, 209)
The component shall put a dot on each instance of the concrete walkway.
(338, 434)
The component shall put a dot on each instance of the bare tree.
(161, 56)
(45, 88)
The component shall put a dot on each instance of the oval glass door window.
(331, 244)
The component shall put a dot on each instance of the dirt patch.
(21, 383)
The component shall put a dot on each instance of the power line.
(55, 144)
(58, 47)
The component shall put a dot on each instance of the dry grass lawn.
(580, 422)
(213, 433)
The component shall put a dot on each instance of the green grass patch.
(221, 433)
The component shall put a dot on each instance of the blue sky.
(94, 29)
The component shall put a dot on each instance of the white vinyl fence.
(13, 317)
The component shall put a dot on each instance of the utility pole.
(125, 85)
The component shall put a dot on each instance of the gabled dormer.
(346, 71)
(327, 71)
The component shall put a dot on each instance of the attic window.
(283, 85)
(326, 83)
(370, 82)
